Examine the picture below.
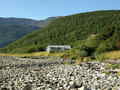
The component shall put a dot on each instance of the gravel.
(44, 74)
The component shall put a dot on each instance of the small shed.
(57, 48)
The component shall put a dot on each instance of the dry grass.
(80, 59)
(34, 54)
(115, 55)
(112, 55)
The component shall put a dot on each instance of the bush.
(74, 57)
(113, 66)
(100, 58)
(105, 46)
(78, 60)
(2, 50)
(83, 53)
(92, 42)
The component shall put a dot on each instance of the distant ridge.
(12, 28)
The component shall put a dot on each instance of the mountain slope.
(12, 29)
(74, 30)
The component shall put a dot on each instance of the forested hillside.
(93, 32)
(12, 29)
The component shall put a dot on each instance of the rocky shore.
(44, 74)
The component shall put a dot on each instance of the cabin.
(57, 48)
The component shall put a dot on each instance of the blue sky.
(41, 9)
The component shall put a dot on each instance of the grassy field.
(34, 54)
(112, 55)
(115, 55)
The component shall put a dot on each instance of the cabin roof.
(58, 46)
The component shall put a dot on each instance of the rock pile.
(56, 76)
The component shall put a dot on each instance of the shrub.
(100, 57)
(2, 50)
(113, 66)
(83, 53)
(74, 57)
(105, 46)
(92, 42)
(77, 61)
